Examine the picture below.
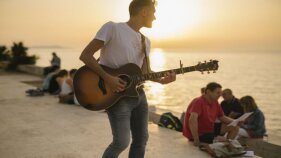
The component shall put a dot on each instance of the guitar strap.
(144, 50)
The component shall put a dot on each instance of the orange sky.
(244, 24)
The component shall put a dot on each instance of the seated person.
(231, 105)
(254, 126)
(56, 82)
(55, 62)
(66, 94)
(47, 79)
(202, 90)
(201, 115)
(231, 108)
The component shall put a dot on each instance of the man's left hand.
(169, 77)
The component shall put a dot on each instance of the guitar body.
(93, 93)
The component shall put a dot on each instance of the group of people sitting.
(58, 82)
(206, 120)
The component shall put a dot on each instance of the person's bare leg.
(232, 132)
(224, 129)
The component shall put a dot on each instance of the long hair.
(248, 103)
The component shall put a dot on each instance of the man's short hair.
(136, 6)
(227, 90)
(212, 86)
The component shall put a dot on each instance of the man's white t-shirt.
(122, 45)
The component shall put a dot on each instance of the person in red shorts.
(201, 115)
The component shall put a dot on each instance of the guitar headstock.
(212, 65)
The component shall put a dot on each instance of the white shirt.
(65, 88)
(122, 45)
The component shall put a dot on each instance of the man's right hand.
(115, 83)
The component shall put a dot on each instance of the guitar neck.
(155, 75)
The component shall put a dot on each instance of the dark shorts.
(217, 128)
(206, 138)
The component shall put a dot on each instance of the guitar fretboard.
(155, 75)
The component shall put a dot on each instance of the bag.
(170, 121)
(224, 149)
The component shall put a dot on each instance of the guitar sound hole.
(126, 79)
(102, 86)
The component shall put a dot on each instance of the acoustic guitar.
(93, 93)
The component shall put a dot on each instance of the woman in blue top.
(254, 126)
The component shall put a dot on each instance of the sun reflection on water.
(157, 63)
(157, 59)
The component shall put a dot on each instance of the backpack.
(170, 121)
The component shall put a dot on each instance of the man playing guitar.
(120, 44)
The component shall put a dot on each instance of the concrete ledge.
(4, 64)
(31, 69)
(263, 148)
(154, 117)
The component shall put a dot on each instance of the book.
(249, 154)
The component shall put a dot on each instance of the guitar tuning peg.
(205, 61)
(208, 72)
(214, 71)
(211, 60)
(202, 72)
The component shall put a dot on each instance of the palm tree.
(19, 56)
(4, 53)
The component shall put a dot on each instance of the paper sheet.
(241, 118)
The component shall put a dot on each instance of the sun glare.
(157, 59)
(174, 19)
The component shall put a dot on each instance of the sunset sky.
(245, 24)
